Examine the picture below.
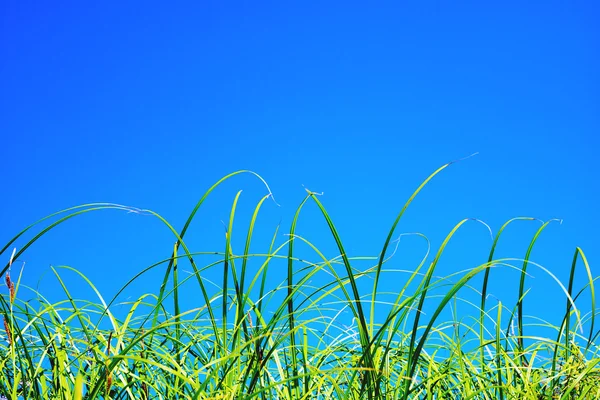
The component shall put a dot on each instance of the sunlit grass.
(255, 339)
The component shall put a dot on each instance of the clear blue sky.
(148, 104)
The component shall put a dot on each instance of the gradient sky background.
(149, 104)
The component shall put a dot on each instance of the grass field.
(252, 339)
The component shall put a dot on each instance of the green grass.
(253, 340)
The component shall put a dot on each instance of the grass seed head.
(108, 382)
(11, 287)
(8, 332)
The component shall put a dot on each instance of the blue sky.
(149, 104)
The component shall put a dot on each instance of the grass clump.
(294, 340)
